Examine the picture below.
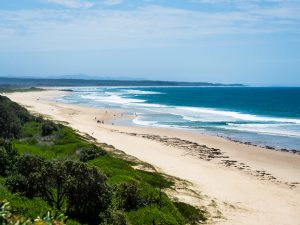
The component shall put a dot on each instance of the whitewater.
(272, 119)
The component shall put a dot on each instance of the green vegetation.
(12, 117)
(7, 217)
(48, 168)
(192, 215)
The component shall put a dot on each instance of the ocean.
(263, 116)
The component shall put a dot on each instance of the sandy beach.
(247, 184)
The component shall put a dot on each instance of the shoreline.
(267, 147)
(243, 136)
(249, 184)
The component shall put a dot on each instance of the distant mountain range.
(68, 82)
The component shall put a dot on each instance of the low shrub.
(153, 216)
(129, 197)
(48, 127)
(90, 152)
(8, 218)
(191, 214)
(113, 217)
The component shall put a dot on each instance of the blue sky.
(256, 42)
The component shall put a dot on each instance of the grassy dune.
(134, 196)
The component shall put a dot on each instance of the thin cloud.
(246, 4)
(73, 3)
(148, 26)
(113, 2)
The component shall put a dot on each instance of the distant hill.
(28, 82)
(89, 77)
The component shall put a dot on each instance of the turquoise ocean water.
(262, 116)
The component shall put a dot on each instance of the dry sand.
(249, 185)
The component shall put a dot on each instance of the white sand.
(243, 195)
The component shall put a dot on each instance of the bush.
(48, 127)
(7, 157)
(25, 178)
(39, 119)
(128, 196)
(25, 207)
(7, 217)
(191, 214)
(4, 161)
(90, 153)
(113, 217)
(11, 151)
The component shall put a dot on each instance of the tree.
(12, 116)
(87, 193)
(25, 177)
(63, 184)
(10, 125)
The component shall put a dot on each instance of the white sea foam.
(192, 114)
(270, 129)
(265, 125)
(116, 99)
(117, 96)
(239, 116)
(192, 119)
(188, 113)
(160, 115)
(149, 105)
(140, 121)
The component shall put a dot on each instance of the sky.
(255, 42)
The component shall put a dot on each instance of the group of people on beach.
(103, 121)
(99, 121)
